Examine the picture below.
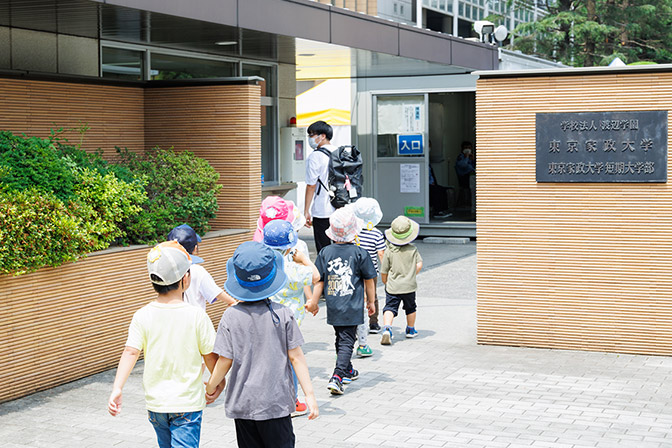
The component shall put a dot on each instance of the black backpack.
(345, 175)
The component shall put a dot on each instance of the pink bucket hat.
(273, 207)
(343, 226)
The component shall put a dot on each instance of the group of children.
(270, 284)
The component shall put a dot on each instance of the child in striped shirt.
(373, 241)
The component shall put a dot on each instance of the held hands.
(312, 307)
(213, 392)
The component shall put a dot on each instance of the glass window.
(269, 153)
(122, 64)
(266, 72)
(468, 12)
(398, 115)
(460, 9)
(165, 66)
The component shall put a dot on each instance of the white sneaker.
(387, 337)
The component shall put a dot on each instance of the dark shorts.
(392, 302)
(275, 433)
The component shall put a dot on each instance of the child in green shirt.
(401, 263)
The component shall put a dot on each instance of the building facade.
(215, 77)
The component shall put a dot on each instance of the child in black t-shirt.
(346, 271)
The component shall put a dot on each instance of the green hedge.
(38, 231)
(181, 188)
(34, 163)
(59, 203)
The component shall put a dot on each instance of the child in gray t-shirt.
(256, 341)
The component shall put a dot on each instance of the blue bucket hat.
(255, 272)
(188, 238)
(280, 234)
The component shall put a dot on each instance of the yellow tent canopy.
(328, 101)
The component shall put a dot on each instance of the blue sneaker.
(386, 339)
(410, 332)
(335, 386)
(351, 376)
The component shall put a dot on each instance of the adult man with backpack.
(318, 207)
(333, 178)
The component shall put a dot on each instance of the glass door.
(401, 177)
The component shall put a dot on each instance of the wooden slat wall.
(59, 325)
(575, 266)
(115, 114)
(221, 124)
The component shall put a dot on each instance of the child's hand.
(311, 402)
(312, 308)
(114, 403)
(210, 397)
(298, 256)
(371, 306)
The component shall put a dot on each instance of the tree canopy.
(584, 33)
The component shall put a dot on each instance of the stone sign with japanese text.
(602, 146)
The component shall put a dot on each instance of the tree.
(584, 33)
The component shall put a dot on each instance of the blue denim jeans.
(177, 429)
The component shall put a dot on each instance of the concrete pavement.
(440, 389)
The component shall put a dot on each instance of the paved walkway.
(438, 390)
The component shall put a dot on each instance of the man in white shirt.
(318, 208)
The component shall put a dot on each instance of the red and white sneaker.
(301, 409)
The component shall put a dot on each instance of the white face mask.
(312, 142)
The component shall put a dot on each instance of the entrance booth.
(416, 128)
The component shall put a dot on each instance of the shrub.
(180, 187)
(34, 163)
(37, 231)
(103, 201)
(93, 161)
(58, 203)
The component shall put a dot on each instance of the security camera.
(484, 29)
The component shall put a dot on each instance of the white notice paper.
(409, 178)
(412, 119)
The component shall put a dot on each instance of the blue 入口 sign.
(410, 145)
